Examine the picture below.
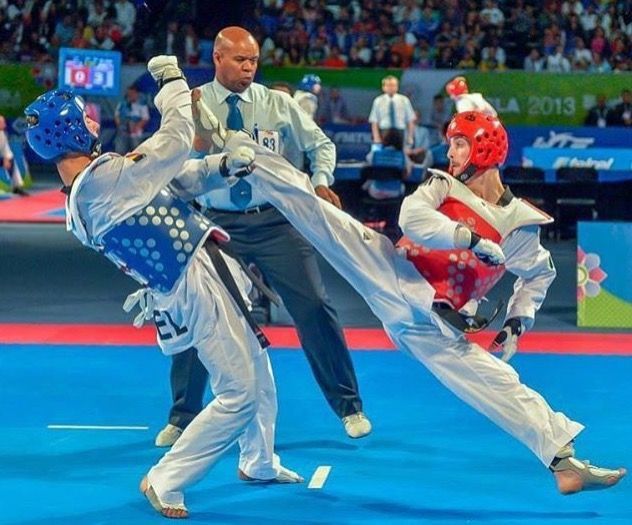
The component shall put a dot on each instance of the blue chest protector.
(156, 244)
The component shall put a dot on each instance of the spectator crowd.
(488, 35)
(576, 35)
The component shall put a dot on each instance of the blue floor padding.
(431, 459)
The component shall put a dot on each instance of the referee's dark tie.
(391, 112)
(241, 191)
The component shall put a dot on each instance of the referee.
(260, 234)
(392, 110)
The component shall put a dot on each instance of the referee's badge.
(269, 139)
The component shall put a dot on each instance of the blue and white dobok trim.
(156, 244)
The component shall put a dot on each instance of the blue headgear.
(56, 125)
(308, 82)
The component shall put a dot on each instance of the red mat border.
(366, 339)
(37, 207)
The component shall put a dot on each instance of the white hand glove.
(238, 163)
(487, 251)
(164, 68)
(145, 301)
(506, 341)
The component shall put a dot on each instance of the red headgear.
(487, 138)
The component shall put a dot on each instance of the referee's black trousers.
(290, 265)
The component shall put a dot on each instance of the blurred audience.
(484, 34)
(488, 35)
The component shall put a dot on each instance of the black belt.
(223, 271)
(470, 324)
(247, 211)
(256, 280)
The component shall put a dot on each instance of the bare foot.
(284, 476)
(586, 477)
(168, 511)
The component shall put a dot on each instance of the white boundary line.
(319, 477)
(95, 427)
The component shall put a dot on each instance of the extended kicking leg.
(573, 475)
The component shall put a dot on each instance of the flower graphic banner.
(604, 287)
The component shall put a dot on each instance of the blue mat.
(431, 459)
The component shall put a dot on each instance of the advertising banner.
(550, 100)
(604, 288)
(353, 142)
(521, 97)
(21, 84)
(364, 78)
(548, 137)
(602, 159)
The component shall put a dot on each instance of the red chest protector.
(457, 275)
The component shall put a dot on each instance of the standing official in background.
(335, 108)
(8, 161)
(261, 235)
(131, 116)
(420, 152)
(440, 115)
(392, 110)
(306, 94)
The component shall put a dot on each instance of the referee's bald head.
(233, 36)
(236, 56)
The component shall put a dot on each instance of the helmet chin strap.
(96, 149)
(467, 174)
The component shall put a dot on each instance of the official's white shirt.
(280, 124)
(5, 149)
(381, 113)
(308, 101)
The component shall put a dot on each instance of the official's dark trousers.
(289, 264)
